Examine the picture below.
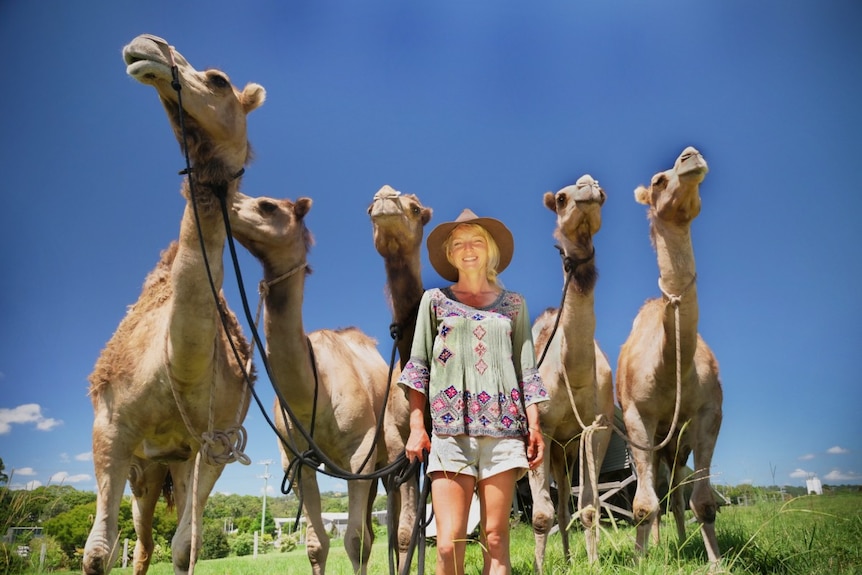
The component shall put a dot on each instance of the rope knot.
(223, 447)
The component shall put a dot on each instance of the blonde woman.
(473, 365)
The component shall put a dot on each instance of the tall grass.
(812, 535)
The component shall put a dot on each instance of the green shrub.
(242, 544)
(215, 544)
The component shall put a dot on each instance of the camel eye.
(561, 199)
(415, 210)
(267, 207)
(219, 81)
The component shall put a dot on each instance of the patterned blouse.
(474, 365)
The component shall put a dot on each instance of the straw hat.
(437, 254)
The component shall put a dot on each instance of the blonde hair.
(493, 251)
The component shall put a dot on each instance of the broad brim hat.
(498, 231)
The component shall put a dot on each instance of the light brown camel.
(168, 376)
(664, 345)
(398, 223)
(344, 390)
(577, 374)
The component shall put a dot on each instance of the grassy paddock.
(812, 535)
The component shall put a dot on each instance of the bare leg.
(451, 495)
(495, 498)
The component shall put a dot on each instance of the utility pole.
(266, 463)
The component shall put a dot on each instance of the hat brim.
(437, 254)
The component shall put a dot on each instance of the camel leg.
(561, 470)
(146, 480)
(358, 537)
(191, 496)
(645, 507)
(111, 462)
(590, 520)
(316, 537)
(543, 509)
(702, 500)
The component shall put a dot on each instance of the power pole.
(266, 463)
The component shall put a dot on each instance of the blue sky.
(485, 105)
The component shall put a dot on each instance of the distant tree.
(4, 479)
(71, 528)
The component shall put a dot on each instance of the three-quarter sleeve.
(416, 373)
(524, 358)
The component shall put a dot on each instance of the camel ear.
(426, 215)
(550, 201)
(252, 97)
(642, 195)
(301, 207)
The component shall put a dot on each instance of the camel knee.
(358, 547)
(99, 556)
(542, 522)
(645, 507)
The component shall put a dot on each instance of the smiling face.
(470, 248)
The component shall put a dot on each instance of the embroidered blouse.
(477, 366)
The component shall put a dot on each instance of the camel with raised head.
(341, 389)
(398, 224)
(168, 389)
(667, 377)
(577, 374)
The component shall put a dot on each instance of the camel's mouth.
(145, 69)
(146, 59)
(692, 164)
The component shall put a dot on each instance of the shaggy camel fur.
(658, 351)
(577, 374)
(348, 379)
(168, 376)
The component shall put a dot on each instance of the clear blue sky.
(484, 105)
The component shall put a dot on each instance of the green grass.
(813, 535)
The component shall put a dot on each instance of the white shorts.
(479, 456)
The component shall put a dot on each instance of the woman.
(473, 364)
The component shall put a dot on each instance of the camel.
(667, 377)
(398, 224)
(577, 374)
(398, 221)
(167, 388)
(343, 391)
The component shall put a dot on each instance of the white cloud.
(28, 471)
(63, 477)
(86, 456)
(806, 457)
(799, 473)
(29, 486)
(27, 413)
(838, 475)
(837, 450)
(746, 481)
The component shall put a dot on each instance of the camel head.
(272, 230)
(579, 211)
(673, 196)
(214, 110)
(399, 221)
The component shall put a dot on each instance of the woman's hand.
(535, 447)
(417, 444)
